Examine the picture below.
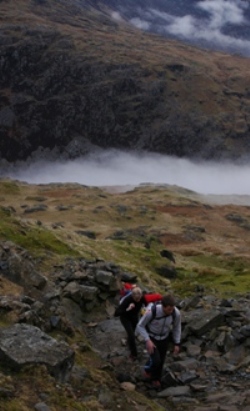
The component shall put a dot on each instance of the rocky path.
(211, 373)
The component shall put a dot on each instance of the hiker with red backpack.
(159, 323)
(126, 289)
(129, 310)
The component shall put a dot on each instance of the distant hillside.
(216, 25)
(72, 78)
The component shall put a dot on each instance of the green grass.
(9, 187)
(37, 240)
(219, 281)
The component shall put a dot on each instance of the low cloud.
(112, 168)
(116, 16)
(140, 24)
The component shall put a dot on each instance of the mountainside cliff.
(72, 78)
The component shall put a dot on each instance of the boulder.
(23, 344)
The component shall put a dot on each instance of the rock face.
(16, 265)
(23, 344)
(66, 92)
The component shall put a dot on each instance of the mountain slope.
(217, 25)
(64, 234)
(71, 79)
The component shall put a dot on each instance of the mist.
(116, 168)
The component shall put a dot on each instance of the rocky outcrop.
(67, 92)
(16, 265)
(210, 373)
(22, 345)
(61, 302)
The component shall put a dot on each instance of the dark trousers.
(130, 324)
(156, 360)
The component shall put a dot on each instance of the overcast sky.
(118, 168)
(206, 20)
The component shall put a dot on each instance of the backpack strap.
(125, 296)
(153, 311)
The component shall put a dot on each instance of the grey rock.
(203, 322)
(35, 209)
(245, 330)
(41, 406)
(36, 279)
(104, 277)
(184, 365)
(80, 293)
(23, 344)
(175, 392)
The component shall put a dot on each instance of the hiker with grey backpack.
(129, 310)
(160, 324)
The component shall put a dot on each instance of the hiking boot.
(146, 376)
(132, 357)
(156, 384)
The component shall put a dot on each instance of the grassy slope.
(210, 242)
(210, 249)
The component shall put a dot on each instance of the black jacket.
(124, 304)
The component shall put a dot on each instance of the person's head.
(136, 294)
(168, 304)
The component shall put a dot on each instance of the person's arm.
(123, 306)
(126, 305)
(141, 330)
(177, 331)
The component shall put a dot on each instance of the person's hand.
(130, 307)
(150, 346)
(176, 349)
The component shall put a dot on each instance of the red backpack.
(126, 289)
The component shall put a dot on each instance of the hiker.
(159, 324)
(129, 310)
(126, 288)
(149, 297)
(127, 283)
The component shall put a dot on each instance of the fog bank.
(116, 168)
